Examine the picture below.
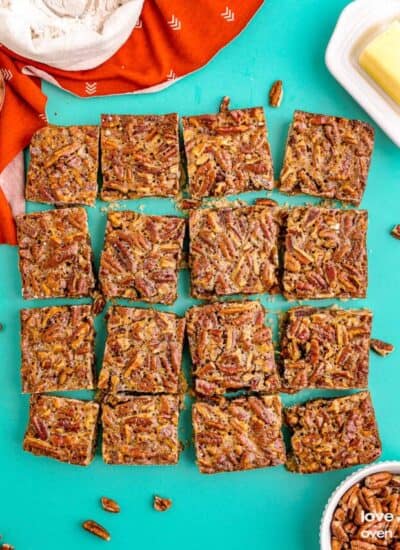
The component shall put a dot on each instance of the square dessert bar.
(55, 255)
(228, 152)
(139, 156)
(143, 351)
(325, 254)
(233, 251)
(57, 349)
(141, 429)
(330, 434)
(238, 434)
(325, 348)
(231, 348)
(61, 428)
(327, 156)
(63, 166)
(141, 257)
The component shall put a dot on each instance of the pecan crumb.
(189, 204)
(96, 529)
(396, 231)
(110, 505)
(162, 504)
(380, 347)
(99, 302)
(276, 93)
(1, 327)
(264, 201)
(6, 546)
(224, 106)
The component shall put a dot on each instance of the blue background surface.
(43, 502)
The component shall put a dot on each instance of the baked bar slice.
(57, 346)
(238, 434)
(141, 257)
(231, 348)
(64, 162)
(55, 255)
(140, 429)
(143, 351)
(139, 156)
(227, 152)
(62, 428)
(329, 434)
(233, 251)
(325, 253)
(325, 348)
(327, 156)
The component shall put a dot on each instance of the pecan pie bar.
(63, 165)
(231, 348)
(325, 254)
(140, 429)
(325, 348)
(330, 434)
(57, 349)
(55, 255)
(238, 434)
(327, 156)
(141, 257)
(228, 152)
(143, 351)
(61, 428)
(233, 251)
(139, 156)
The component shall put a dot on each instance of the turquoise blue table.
(42, 502)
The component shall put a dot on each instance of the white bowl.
(325, 529)
(360, 22)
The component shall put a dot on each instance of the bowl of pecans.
(363, 513)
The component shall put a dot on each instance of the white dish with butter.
(359, 24)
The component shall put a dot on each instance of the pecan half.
(96, 529)
(161, 504)
(110, 505)
(380, 347)
(276, 93)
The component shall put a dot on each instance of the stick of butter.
(381, 60)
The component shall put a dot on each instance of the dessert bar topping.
(327, 156)
(238, 434)
(139, 156)
(141, 257)
(325, 253)
(96, 529)
(231, 348)
(380, 347)
(329, 434)
(227, 152)
(233, 250)
(325, 348)
(143, 351)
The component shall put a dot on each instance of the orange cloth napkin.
(171, 39)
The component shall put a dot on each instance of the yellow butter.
(381, 60)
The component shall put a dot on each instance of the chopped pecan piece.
(140, 429)
(99, 302)
(228, 152)
(380, 347)
(139, 156)
(327, 156)
(325, 348)
(55, 256)
(63, 165)
(161, 504)
(231, 348)
(96, 529)
(57, 346)
(62, 428)
(143, 351)
(110, 505)
(396, 231)
(233, 250)
(330, 434)
(141, 257)
(325, 253)
(238, 434)
(276, 93)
